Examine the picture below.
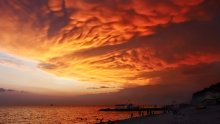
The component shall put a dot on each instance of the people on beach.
(97, 120)
(139, 113)
(175, 109)
(110, 122)
(101, 120)
(150, 112)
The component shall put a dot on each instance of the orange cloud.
(53, 32)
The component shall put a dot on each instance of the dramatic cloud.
(114, 42)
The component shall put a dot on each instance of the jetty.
(131, 107)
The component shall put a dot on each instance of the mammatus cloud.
(111, 41)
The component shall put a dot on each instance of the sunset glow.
(78, 47)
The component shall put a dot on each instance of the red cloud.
(187, 2)
(54, 32)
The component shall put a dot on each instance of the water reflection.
(58, 114)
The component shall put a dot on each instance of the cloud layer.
(114, 42)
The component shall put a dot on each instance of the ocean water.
(58, 115)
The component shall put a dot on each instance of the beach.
(190, 115)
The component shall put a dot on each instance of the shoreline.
(189, 115)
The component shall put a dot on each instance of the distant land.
(210, 95)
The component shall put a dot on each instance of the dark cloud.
(178, 41)
(2, 90)
(47, 66)
(101, 87)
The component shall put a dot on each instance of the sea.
(59, 115)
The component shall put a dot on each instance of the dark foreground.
(190, 115)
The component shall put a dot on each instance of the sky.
(107, 51)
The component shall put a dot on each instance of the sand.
(190, 115)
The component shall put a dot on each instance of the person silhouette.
(101, 121)
(139, 113)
